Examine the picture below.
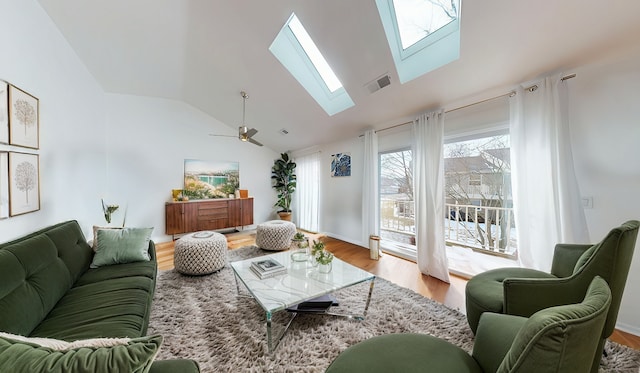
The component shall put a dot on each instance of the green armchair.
(522, 291)
(552, 340)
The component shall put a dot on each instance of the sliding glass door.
(397, 210)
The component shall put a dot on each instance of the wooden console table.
(208, 214)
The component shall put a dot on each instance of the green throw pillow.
(122, 246)
(135, 355)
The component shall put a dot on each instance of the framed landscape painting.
(4, 112)
(24, 183)
(24, 118)
(4, 185)
(210, 179)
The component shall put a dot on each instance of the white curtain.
(370, 201)
(546, 197)
(307, 193)
(428, 156)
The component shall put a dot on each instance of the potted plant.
(321, 257)
(299, 247)
(283, 179)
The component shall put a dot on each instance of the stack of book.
(266, 268)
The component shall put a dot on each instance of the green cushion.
(32, 279)
(112, 308)
(135, 356)
(145, 269)
(485, 293)
(406, 353)
(122, 246)
(72, 246)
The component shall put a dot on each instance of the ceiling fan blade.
(213, 134)
(251, 132)
(254, 141)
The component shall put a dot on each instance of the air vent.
(378, 83)
(284, 132)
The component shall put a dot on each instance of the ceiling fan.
(244, 134)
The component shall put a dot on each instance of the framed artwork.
(341, 164)
(210, 179)
(4, 185)
(4, 112)
(24, 183)
(24, 118)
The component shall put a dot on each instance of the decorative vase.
(325, 268)
(299, 249)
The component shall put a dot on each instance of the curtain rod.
(510, 94)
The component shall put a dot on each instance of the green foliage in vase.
(321, 255)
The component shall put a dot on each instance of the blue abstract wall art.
(341, 164)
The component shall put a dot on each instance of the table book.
(265, 268)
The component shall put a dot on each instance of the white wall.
(606, 137)
(605, 129)
(149, 139)
(128, 150)
(35, 57)
(341, 197)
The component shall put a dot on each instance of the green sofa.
(48, 290)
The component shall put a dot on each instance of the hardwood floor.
(399, 271)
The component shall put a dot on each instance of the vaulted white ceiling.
(204, 52)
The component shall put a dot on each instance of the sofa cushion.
(122, 246)
(136, 355)
(32, 279)
(144, 269)
(73, 249)
(118, 307)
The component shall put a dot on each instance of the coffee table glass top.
(301, 282)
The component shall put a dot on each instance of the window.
(297, 52)
(478, 201)
(397, 210)
(422, 34)
(418, 19)
(318, 61)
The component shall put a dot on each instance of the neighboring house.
(481, 180)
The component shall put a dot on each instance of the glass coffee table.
(302, 282)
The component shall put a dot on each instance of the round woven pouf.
(275, 235)
(200, 253)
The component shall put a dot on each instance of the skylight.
(318, 61)
(423, 35)
(297, 52)
(419, 18)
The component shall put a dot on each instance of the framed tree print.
(24, 183)
(24, 118)
(4, 112)
(4, 185)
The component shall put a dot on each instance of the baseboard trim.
(345, 239)
(631, 329)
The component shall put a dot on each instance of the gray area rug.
(203, 319)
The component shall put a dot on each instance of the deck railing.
(482, 228)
